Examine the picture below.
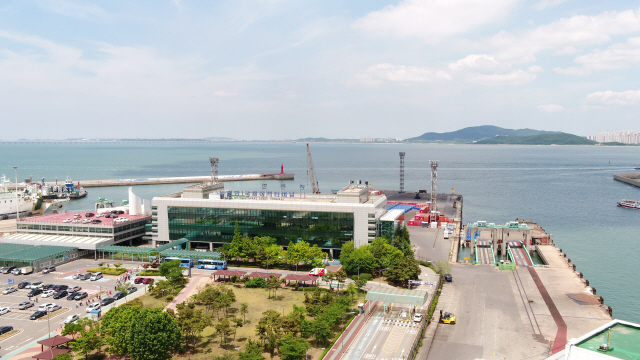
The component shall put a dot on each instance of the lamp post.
(268, 263)
(17, 199)
(358, 265)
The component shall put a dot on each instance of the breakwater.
(631, 179)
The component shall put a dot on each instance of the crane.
(314, 186)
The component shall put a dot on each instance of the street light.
(17, 200)
(358, 265)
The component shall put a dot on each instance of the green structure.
(617, 339)
(398, 296)
(20, 255)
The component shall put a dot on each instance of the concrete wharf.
(171, 180)
(632, 179)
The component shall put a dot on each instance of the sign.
(10, 281)
(466, 259)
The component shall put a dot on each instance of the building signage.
(256, 195)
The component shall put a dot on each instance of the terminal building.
(206, 214)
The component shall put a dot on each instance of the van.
(446, 234)
(96, 276)
(26, 270)
(77, 216)
(317, 271)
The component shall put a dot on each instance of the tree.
(155, 335)
(340, 277)
(192, 322)
(252, 351)
(122, 287)
(351, 290)
(226, 356)
(293, 348)
(297, 252)
(116, 324)
(64, 356)
(223, 328)
(236, 322)
(329, 277)
(172, 271)
(273, 284)
(443, 267)
(321, 331)
(72, 329)
(315, 256)
(403, 270)
(89, 339)
(244, 309)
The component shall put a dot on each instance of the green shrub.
(363, 276)
(170, 298)
(256, 282)
(313, 288)
(101, 264)
(108, 271)
(117, 265)
(235, 278)
(149, 273)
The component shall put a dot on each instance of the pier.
(171, 180)
(632, 179)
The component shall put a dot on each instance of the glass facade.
(325, 229)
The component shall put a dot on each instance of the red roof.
(264, 275)
(54, 341)
(59, 218)
(50, 354)
(300, 278)
(229, 273)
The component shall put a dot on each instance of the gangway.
(484, 252)
(519, 254)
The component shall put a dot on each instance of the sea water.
(568, 190)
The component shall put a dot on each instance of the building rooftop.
(59, 219)
(57, 240)
(26, 253)
(625, 341)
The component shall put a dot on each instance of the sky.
(288, 69)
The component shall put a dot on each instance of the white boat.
(12, 201)
(632, 204)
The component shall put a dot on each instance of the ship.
(632, 204)
(25, 203)
(74, 192)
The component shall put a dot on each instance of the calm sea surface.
(569, 191)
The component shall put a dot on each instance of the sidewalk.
(189, 290)
(341, 346)
(430, 331)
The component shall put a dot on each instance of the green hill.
(543, 139)
(475, 133)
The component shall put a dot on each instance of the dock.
(171, 180)
(632, 179)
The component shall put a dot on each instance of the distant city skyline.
(260, 70)
(621, 136)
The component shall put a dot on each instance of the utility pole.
(434, 183)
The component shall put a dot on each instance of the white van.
(26, 270)
(96, 276)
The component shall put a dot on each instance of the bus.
(212, 264)
(183, 261)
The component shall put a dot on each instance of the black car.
(448, 277)
(59, 287)
(106, 301)
(8, 269)
(71, 296)
(119, 295)
(5, 329)
(80, 295)
(37, 315)
(47, 286)
(23, 285)
(60, 294)
(34, 292)
(88, 215)
(96, 221)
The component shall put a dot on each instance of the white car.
(36, 285)
(86, 221)
(4, 310)
(100, 215)
(417, 317)
(53, 308)
(44, 306)
(48, 293)
(66, 220)
(94, 306)
(76, 221)
(120, 220)
(9, 290)
(71, 318)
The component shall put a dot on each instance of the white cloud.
(398, 73)
(550, 108)
(73, 8)
(617, 56)
(433, 20)
(572, 70)
(476, 62)
(224, 93)
(630, 97)
(543, 4)
(485, 69)
(515, 77)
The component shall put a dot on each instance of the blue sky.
(289, 69)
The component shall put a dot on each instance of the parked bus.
(183, 261)
(212, 264)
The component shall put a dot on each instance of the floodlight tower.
(214, 169)
(402, 171)
(434, 183)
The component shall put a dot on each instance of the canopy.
(398, 296)
(50, 353)
(300, 278)
(264, 275)
(54, 341)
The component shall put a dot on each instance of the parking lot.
(31, 330)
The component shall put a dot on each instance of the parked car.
(96, 276)
(131, 290)
(76, 221)
(47, 286)
(106, 301)
(88, 214)
(85, 276)
(48, 293)
(448, 277)
(5, 329)
(120, 220)
(2, 270)
(24, 285)
(44, 306)
(48, 269)
(75, 289)
(60, 294)
(9, 290)
(119, 295)
(100, 215)
(417, 317)
(37, 315)
(34, 292)
(86, 221)
(147, 281)
(76, 276)
(60, 287)
(96, 221)
(54, 307)
(71, 318)
(7, 270)
(36, 285)
(15, 271)
(80, 295)
(138, 280)
(25, 305)
(67, 220)
(72, 296)
(26, 270)
(94, 306)
(4, 310)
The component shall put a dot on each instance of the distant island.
(475, 133)
(542, 139)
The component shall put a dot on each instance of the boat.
(74, 192)
(637, 168)
(11, 202)
(632, 204)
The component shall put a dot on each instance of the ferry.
(632, 204)
(26, 203)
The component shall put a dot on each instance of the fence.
(425, 320)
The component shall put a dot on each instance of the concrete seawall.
(171, 180)
(631, 179)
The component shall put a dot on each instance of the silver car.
(9, 290)
(25, 305)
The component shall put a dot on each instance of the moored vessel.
(631, 204)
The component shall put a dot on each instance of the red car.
(138, 280)
(147, 281)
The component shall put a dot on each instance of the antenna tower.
(402, 171)
(214, 169)
(314, 184)
(434, 183)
